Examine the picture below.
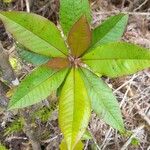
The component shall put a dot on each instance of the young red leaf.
(58, 63)
(79, 38)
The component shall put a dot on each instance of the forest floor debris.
(133, 92)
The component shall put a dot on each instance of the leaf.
(37, 86)
(103, 102)
(74, 109)
(35, 32)
(117, 59)
(15, 63)
(7, 1)
(79, 146)
(79, 38)
(32, 57)
(86, 135)
(2, 147)
(71, 11)
(58, 63)
(110, 30)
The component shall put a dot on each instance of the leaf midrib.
(102, 101)
(117, 59)
(73, 105)
(73, 118)
(34, 34)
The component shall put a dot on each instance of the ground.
(133, 92)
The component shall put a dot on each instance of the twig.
(143, 115)
(86, 145)
(148, 148)
(123, 2)
(125, 95)
(141, 5)
(107, 135)
(51, 139)
(94, 140)
(124, 12)
(9, 139)
(44, 7)
(124, 84)
(27, 5)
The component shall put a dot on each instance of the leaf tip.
(11, 105)
(125, 16)
(9, 108)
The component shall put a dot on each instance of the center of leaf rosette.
(60, 63)
(76, 62)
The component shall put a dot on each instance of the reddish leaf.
(58, 63)
(79, 38)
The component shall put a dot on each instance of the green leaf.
(7, 1)
(86, 135)
(2, 147)
(117, 59)
(35, 33)
(37, 86)
(103, 101)
(74, 109)
(71, 11)
(110, 30)
(79, 146)
(79, 37)
(32, 57)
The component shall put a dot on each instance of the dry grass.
(133, 92)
